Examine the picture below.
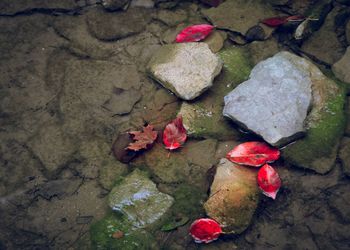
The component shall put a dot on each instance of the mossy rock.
(203, 118)
(325, 127)
(101, 235)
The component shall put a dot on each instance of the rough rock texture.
(138, 198)
(274, 102)
(341, 68)
(240, 16)
(324, 44)
(115, 4)
(340, 202)
(53, 147)
(260, 51)
(344, 154)
(116, 25)
(187, 69)
(171, 18)
(324, 126)
(10, 7)
(215, 41)
(234, 196)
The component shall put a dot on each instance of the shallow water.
(59, 121)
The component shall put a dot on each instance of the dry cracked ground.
(73, 78)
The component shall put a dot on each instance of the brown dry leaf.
(143, 139)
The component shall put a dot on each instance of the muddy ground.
(57, 128)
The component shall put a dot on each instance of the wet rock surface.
(234, 196)
(276, 109)
(341, 67)
(194, 62)
(138, 198)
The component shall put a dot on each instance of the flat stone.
(261, 50)
(347, 32)
(341, 68)
(339, 201)
(171, 18)
(240, 16)
(149, 4)
(187, 69)
(234, 196)
(10, 7)
(276, 109)
(115, 4)
(324, 44)
(122, 101)
(344, 154)
(117, 25)
(215, 41)
(53, 147)
(138, 198)
(110, 172)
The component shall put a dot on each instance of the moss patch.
(101, 235)
(317, 151)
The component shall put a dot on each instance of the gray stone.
(53, 147)
(115, 4)
(113, 26)
(139, 199)
(122, 101)
(344, 154)
(340, 202)
(187, 69)
(234, 196)
(240, 15)
(149, 4)
(341, 68)
(171, 18)
(274, 102)
(324, 44)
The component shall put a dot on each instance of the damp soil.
(58, 123)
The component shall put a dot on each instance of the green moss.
(101, 235)
(317, 150)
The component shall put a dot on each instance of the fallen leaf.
(174, 134)
(142, 139)
(205, 230)
(253, 154)
(277, 21)
(117, 235)
(194, 33)
(269, 181)
(274, 21)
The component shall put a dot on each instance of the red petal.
(269, 181)
(274, 21)
(205, 230)
(174, 134)
(253, 154)
(194, 33)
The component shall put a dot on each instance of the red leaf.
(205, 230)
(142, 139)
(174, 134)
(253, 154)
(194, 33)
(274, 21)
(269, 181)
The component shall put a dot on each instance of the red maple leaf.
(142, 139)
(194, 33)
(253, 153)
(174, 134)
(269, 181)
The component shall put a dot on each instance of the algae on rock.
(325, 126)
(203, 118)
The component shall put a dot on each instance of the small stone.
(114, 4)
(275, 110)
(138, 198)
(172, 18)
(260, 51)
(239, 15)
(341, 68)
(255, 33)
(324, 44)
(113, 26)
(187, 69)
(53, 147)
(215, 41)
(234, 196)
(344, 154)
